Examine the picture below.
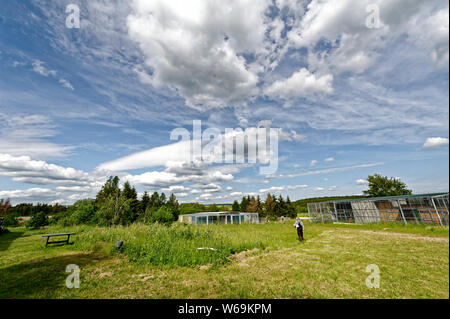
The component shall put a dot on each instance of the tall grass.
(157, 244)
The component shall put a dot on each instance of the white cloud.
(319, 189)
(435, 142)
(296, 186)
(66, 83)
(329, 159)
(332, 188)
(281, 188)
(302, 83)
(361, 182)
(181, 195)
(436, 40)
(24, 169)
(234, 194)
(313, 163)
(26, 134)
(336, 169)
(176, 188)
(196, 47)
(39, 68)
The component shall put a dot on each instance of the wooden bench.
(57, 241)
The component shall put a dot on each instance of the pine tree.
(270, 206)
(244, 204)
(145, 202)
(154, 200)
(235, 207)
(291, 211)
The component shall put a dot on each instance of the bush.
(164, 215)
(10, 220)
(38, 220)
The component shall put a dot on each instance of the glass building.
(423, 208)
(208, 218)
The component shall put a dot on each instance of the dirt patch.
(144, 277)
(401, 235)
(243, 254)
(105, 274)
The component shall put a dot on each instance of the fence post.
(401, 211)
(437, 213)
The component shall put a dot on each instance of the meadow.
(246, 261)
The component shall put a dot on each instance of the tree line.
(272, 208)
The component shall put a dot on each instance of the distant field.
(249, 261)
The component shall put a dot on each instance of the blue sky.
(76, 104)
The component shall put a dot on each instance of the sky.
(352, 88)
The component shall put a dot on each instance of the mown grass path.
(413, 263)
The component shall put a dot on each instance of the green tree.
(163, 215)
(110, 189)
(235, 207)
(129, 193)
(270, 207)
(244, 203)
(290, 209)
(213, 208)
(172, 203)
(162, 200)
(115, 211)
(154, 200)
(385, 186)
(144, 203)
(38, 220)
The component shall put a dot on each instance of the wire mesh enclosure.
(220, 218)
(423, 208)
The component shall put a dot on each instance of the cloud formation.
(435, 142)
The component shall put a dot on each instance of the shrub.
(10, 220)
(164, 215)
(38, 220)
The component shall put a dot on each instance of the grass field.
(249, 261)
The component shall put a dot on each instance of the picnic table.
(57, 241)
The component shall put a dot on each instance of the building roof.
(384, 198)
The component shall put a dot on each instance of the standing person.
(300, 228)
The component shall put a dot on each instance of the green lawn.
(250, 261)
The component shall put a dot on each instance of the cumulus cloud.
(313, 163)
(329, 159)
(361, 182)
(196, 47)
(24, 169)
(234, 194)
(302, 83)
(435, 142)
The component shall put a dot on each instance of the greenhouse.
(423, 208)
(208, 218)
